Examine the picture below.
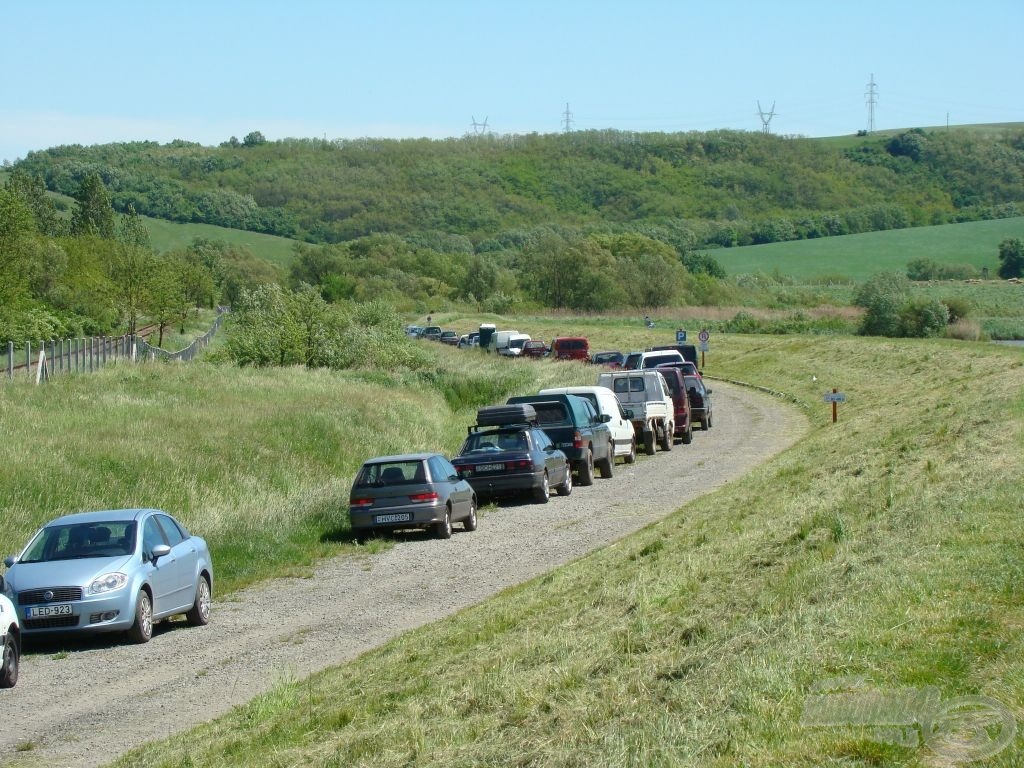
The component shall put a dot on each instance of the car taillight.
(423, 498)
(354, 502)
(577, 440)
(522, 464)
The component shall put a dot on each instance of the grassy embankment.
(887, 546)
(258, 462)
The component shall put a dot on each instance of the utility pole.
(479, 128)
(567, 119)
(871, 95)
(766, 119)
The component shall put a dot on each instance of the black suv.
(507, 453)
(574, 426)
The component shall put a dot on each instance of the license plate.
(489, 467)
(47, 611)
(402, 517)
(564, 445)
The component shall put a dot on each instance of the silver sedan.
(116, 570)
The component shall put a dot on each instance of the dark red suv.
(684, 413)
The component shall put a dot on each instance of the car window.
(151, 537)
(81, 540)
(540, 439)
(172, 532)
(447, 467)
(391, 473)
(636, 384)
(438, 471)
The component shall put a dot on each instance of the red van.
(684, 412)
(570, 348)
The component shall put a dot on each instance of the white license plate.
(489, 467)
(402, 517)
(48, 611)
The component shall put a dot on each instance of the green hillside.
(859, 256)
(169, 235)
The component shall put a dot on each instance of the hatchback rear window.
(392, 473)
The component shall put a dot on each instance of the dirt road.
(87, 706)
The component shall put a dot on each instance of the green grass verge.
(859, 256)
(886, 546)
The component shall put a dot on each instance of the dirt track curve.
(104, 697)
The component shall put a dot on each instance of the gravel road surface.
(100, 698)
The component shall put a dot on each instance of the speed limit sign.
(703, 335)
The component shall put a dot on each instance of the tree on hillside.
(254, 139)
(94, 214)
(130, 269)
(31, 188)
(131, 230)
(164, 299)
(1011, 257)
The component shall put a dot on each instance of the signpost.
(703, 336)
(835, 397)
(680, 336)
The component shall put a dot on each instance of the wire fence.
(43, 360)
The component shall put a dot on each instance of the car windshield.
(517, 343)
(608, 357)
(391, 473)
(81, 540)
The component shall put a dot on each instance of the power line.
(872, 96)
(567, 120)
(766, 119)
(479, 128)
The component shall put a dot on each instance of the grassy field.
(858, 257)
(169, 235)
(886, 547)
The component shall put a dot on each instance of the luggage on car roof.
(496, 415)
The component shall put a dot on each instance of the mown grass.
(859, 256)
(886, 546)
(259, 462)
(170, 236)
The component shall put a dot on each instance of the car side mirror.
(708, 390)
(628, 413)
(549, 448)
(160, 550)
(10, 560)
(453, 478)
(604, 418)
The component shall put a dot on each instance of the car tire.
(666, 437)
(469, 524)
(704, 424)
(443, 529)
(542, 493)
(688, 434)
(586, 469)
(631, 456)
(607, 465)
(199, 614)
(649, 443)
(9, 664)
(566, 487)
(361, 535)
(709, 421)
(142, 630)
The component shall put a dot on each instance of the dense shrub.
(922, 316)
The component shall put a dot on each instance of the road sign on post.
(835, 397)
(680, 336)
(704, 335)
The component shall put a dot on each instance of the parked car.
(639, 360)
(688, 368)
(10, 641)
(700, 400)
(514, 347)
(432, 332)
(674, 377)
(449, 337)
(509, 454)
(413, 331)
(114, 570)
(608, 359)
(416, 490)
(535, 348)
(574, 426)
(605, 403)
(647, 402)
(469, 340)
(570, 348)
(499, 340)
(688, 351)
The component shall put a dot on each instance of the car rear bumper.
(407, 516)
(498, 485)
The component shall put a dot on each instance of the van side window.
(636, 384)
(621, 385)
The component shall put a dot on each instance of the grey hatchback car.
(417, 490)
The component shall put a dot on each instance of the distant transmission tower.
(567, 119)
(479, 128)
(766, 119)
(871, 95)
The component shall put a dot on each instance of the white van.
(499, 340)
(605, 401)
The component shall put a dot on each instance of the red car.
(535, 348)
(570, 348)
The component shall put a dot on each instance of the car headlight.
(108, 582)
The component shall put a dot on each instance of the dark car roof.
(400, 457)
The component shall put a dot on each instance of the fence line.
(86, 355)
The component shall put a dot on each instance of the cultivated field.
(857, 257)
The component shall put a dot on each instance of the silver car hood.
(63, 573)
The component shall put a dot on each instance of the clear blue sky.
(107, 70)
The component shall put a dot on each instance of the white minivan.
(605, 401)
(10, 640)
